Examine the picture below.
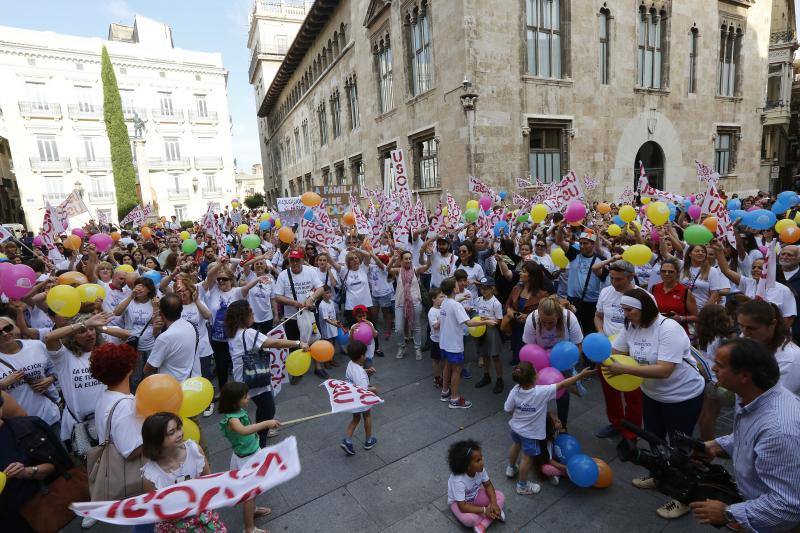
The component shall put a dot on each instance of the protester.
(358, 375)
(175, 350)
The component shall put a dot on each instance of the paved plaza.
(401, 484)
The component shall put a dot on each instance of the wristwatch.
(299, 344)
(728, 515)
(34, 471)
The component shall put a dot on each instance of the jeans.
(222, 358)
(400, 323)
(664, 419)
(265, 410)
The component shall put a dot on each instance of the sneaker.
(370, 443)
(485, 380)
(210, 411)
(465, 374)
(400, 354)
(608, 432)
(498, 386)
(672, 509)
(273, 432)
(644, 482)
(320, 373)
(418, 354)
(528, 487)
(88, 522)
(347, 446)
(445, 396)
(459, 403)
(511, 471)
(379, 353)
(294, 380)
(555, 480)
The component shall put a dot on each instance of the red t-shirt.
(672, 301)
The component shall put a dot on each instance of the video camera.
(676, 472)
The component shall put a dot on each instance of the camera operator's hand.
(710, 512)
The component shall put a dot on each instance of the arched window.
(336, 44)
(694, 49)
(342, 36)
(604, 31)
(650, 58)
(729, 57)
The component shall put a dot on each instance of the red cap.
(360, 308)
(296, 254)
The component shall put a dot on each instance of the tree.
(121, 157)
(255, 201)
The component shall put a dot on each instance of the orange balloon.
(115, 236)
(322, 351)
(286, 235)
(158, 393)
(606, 476)
(73, 242)
(349, 219)
(603, 208)
(790, 235)
(711, 224)
(311, 199)
(72, 278)
(146, 232)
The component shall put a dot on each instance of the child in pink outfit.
(471, 495)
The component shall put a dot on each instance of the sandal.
(262, 511)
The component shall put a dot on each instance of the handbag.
(255, 365)
(112, 476)
(48, 511)
(84, 434)
(133, 340)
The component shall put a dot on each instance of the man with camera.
(764, 444)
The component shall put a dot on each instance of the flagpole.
(305, 418)
(23, 245)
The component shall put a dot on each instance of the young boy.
(453, 318)
(464, 296)
(358, 376)
(328, 324)
(490, 343)
(360, 315)
(437, 297)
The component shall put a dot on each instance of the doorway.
(652, 157)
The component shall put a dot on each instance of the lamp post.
(79, 188)
(194, 183)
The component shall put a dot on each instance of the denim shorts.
(530, 447)
(455, 358)
(383, 301)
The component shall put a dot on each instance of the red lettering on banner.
(112, 511)
(249, 495)
(397, 155)
(128, 509)
(180, 514)
(268, 460)
(204, 501)
(369, 398)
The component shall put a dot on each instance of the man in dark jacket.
(789, 260)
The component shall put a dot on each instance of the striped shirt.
(764, 448)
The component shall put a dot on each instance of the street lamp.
(194, 183)
(79, 188)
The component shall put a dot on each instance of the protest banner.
(73, 205)
(523, 183)
(559, 195)
(290, 210)
(277, 359)
(268, 468)
(706, 174)
(346, 397)
(479, 187)
(336, 199)
(711, 202)
(363, 225)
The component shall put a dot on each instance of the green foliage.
(186, 224)
(255, 201)
(121, 157)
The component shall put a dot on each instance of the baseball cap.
(296, 254)
(360, 309)
(623, 266)
(588, 236)
(486, 282)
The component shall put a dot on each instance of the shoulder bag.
(112, 476)
(133, 340)
(84, 434)
(255, 365)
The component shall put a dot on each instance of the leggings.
(664, 419)
(265, 410)
(473, 519)
(222, 358)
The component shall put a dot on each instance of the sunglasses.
(8, 328)
(223, 280)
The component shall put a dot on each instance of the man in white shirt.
(175, 349)
(173, 224)
(173, 247)
(298, 292)
(610, 320)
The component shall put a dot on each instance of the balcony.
(207, 162)
(55, 198)
(174, 117)
(85, 112)
(128, 112)
(209, 117)
(102, 197)
(292, 8)
(40, 110)
(100, 164)
(41, 165)
(179, 194)
(161, 163)
(212, 193)
(775, 113)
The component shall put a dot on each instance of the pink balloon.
(38, 241)
(5, 266)
(535, 355)
(694, 212)
(363, 333)
(654, 236)
(485, 203)
(549, 376)
(692, 198)
(101, 241)
(18, 281)
(575, 212)
(79, 232)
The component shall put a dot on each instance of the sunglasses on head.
(8, 328)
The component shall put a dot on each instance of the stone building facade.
(516, 88)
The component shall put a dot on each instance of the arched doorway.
(652, 157)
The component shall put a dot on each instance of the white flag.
(346, 397)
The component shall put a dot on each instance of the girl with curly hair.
(471, 495)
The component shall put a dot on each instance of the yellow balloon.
(636, 225)
(638, 254)
(298, 362)
(64, 300)
(89, 292)
(446, 211)
(477, 331)
(278, 223)
(2, 481)
(784, 223)
(190, 430)
(646, 201)
(559, 258)
(265, 216)
(658, 213)
(623, 382)
(627, 213)
(472, 204)
(614, 230)
(125, 268)
(241, 229)
(539, 213)
(197, 395)
(185, 235)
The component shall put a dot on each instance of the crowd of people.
(707, 326)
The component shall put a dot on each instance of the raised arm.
(723, 265)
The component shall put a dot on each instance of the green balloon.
(523, 217)
(471, 215)
(697, 234)
(251, 242)
(189, 246)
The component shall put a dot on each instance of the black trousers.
(585, 312)
(664, 419)
(263, 327)
(265, 410)
(222, 359)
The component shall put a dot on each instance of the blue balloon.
(308, 214)
(154, 276)
(780, 207)
(734, 204)
(618, 221)
(500, 228)
(789, 198)
(565, 447)
(673, 212)
(503, 195)
(582, 470)
(737, 214)
(342, 338)
(760, 219)
(265, 225)
(564, 355)
(597, 347)
(686, 204)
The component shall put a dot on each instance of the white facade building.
(52, 104)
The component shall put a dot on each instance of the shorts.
(237, 463)
(383, 301)
(436, 352)
(530, 447)
(455, 358)
(490, 344)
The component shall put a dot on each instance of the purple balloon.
(549, 376)
(101, 241)
(363, 334)
(694, 212)
(18, 281)
(79, 232)
(535, 355)
(38, 241)
(485, 203)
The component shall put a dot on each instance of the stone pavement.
(401, 484)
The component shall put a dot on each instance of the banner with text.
(346, 397)
(290, 210)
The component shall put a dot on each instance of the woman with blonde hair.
(705, 282)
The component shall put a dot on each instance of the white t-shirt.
(305, 283)
(708, 354)
(379, 281)
(126, 427)
(664, 340)
(252, 339)
(462, 488)
(260, 298)
(39, 319)
(779, 294)
(356, 375)
(327, 310)
(416, 246)
(112, 300)
(192, 315)
(608, 304)
(530, 410)
(81, 391)
(474, 274)
(545, 261)
(32, 359)
(433, 320)
(356, 283)
(788, 359)
(441, 268)
(134, 319)
(330, 277)
(533, 334)
(190, 468)
(215, 300)
(174, 351)
(452, 317)
(701, 288)
(490, 308)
